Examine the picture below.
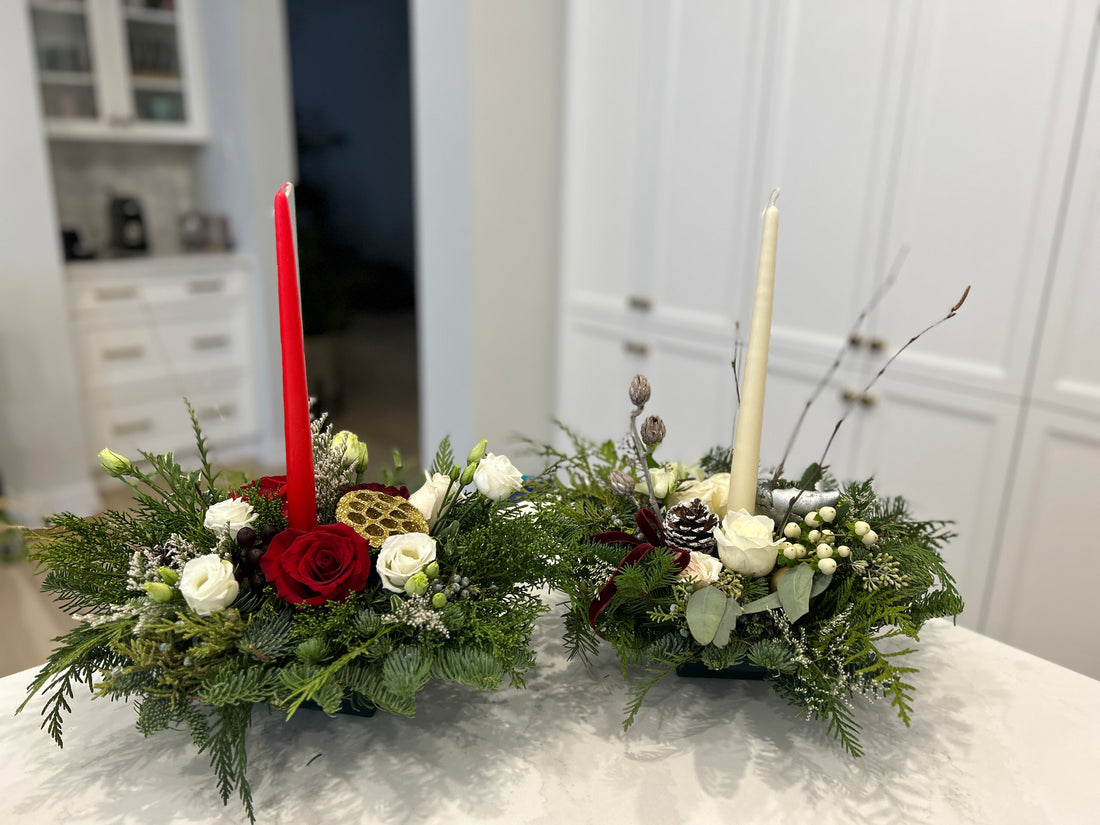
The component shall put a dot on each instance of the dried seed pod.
(639, 390)
(621, 483)
(653, 430)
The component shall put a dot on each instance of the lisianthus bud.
(621, 483)
(467, 474)
(478, 452)
(116, 465)
(159, 591)
(363, 459)
(653, 430)
(639, 390)
(168, 575)
(417, 584)
(346, 445)
(439, 600)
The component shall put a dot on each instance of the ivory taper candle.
(750, 417)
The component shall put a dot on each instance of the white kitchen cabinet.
(150, 332)
(130, 70)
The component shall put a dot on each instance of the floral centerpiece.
(714, 570)
(213, 596)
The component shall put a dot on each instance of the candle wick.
(771, 200)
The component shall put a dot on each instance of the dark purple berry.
(268, 532)
(254, 555)
(258, 580)
(246, 537)
(238, 572)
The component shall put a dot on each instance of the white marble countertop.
(999, 736)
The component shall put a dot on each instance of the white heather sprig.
(417, 612)
(145, 561)
(331, 476)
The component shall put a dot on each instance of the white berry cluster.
(815, 536)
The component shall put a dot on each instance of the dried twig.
(876, 298)
(821, 461)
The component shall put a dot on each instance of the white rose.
(703, 568)
(229, 516)
(402, 556)
(496, 477)
(429, 498)
(207, 584)
(663, 481)
(712, 491)
(747, 544)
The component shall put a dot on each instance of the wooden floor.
(377, 400)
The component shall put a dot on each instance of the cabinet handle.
(116, 293)
(210, 342)
(206, 285)
(636, 347)
(878, 343)
(121, 428)
(126, 353)
(868, 399)
(640, 302)
(850, 396)
(856, 339)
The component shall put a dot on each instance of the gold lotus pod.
(376, 516)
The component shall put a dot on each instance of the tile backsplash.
(163, 179)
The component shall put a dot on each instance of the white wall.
(487, 86)
(251, 154)
(42, 451)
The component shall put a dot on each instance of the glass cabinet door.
(156, 75)
(66, 65)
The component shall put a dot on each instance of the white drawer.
(121, 354)
(155, 297)
(226, 411)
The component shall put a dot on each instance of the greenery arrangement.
(805, 593)
(200, 603)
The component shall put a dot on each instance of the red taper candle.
(301, 492)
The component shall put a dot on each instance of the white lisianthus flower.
(402, 556)
(747, 543)
(496, 477)
(346, 445)
(229, 516)
(663, 481)
(207, 584)
(429, 498)
(712, 491)
(703, 568)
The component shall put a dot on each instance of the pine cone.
(689, 525)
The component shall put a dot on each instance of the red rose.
(324, 564)
(264, 487)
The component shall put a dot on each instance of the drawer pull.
(637, 347)
(121, 428)
(205, 286)
(210, 342)
(126, 353)
(640, 302)
(116, 293)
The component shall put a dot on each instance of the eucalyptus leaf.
(794, 591)
(769, 602)
(705, 610)
(821, 583)
(728, 623)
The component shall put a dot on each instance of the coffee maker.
(128, 226)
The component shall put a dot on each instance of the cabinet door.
(1068, 371)
(1042, 585)
(68, 65)
(616, 63)
(948, 454)
(986, 137)
(831, 111)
